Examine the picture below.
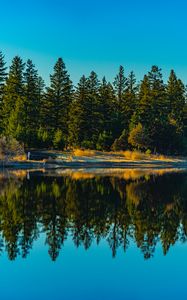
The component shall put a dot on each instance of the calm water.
(83, 235)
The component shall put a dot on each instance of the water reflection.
(119, 206)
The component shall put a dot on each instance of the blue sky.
(97, 35)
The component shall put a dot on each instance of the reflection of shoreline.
(54, 164)
(115, 205)
(89, 173)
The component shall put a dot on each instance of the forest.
(149, 115)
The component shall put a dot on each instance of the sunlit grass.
(21, 157)
(122, 155)
(87, 152)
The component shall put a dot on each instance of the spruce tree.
(176, 100)
(3, 75)
(129, 101)
(78, 127)
(108, 117)
(176, 112)
(32, 105)
(93, 110)
(13, 92)
(120, 83)
(57, 100)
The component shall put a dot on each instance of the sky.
(96, 35)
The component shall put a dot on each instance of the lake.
(93, 234)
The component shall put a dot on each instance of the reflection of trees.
(148, 209)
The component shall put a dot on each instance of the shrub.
(104, 141)
(139, 137)
(58, 141)
(10, 147)
(121, 143)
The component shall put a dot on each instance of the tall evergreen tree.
(3, 75)
(85, 114)
(176, 100)
(129, 100)
(78, 114)
(13, 92)
(32, 105)
(120, 84)
(58, 99)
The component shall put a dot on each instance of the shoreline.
(141, 164)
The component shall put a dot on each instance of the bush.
(10, 147)
(44, 138)
(139, 137)
(87, 144)
(104, 141)
(121, 143)
(58, 141)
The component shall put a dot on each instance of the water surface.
(93, 234)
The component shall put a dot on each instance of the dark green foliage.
(96, 115)
(121, 143)
(58, 141)
(56, 102)
(33, 90)
(139, 137)
(9, 147)
(104, 141)
(3, 73)
(13, 105)
(78, 119)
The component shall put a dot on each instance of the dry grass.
(127, 155)
(80, 152)
(134, 155)
(21, 157)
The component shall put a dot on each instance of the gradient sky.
(97, 35)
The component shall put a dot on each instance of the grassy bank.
(79, 158)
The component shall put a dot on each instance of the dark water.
(83, 235)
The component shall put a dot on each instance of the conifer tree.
(120, 83)
(13, 92)
(3, 75)
(129, 101)
(32, 105)
(58, 99)
(176, 100)
(78, 114)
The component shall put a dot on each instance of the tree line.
(148, 211)
(149, 115)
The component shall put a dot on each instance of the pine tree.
(176, 100)
(176, 112)
(108, 116)
(13, 91)
(32, 105)
(129, 101)
(120, 84)
(93, 110)
(57, 100)
(78, 114)
(3, 73)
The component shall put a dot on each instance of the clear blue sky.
(97, 35)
